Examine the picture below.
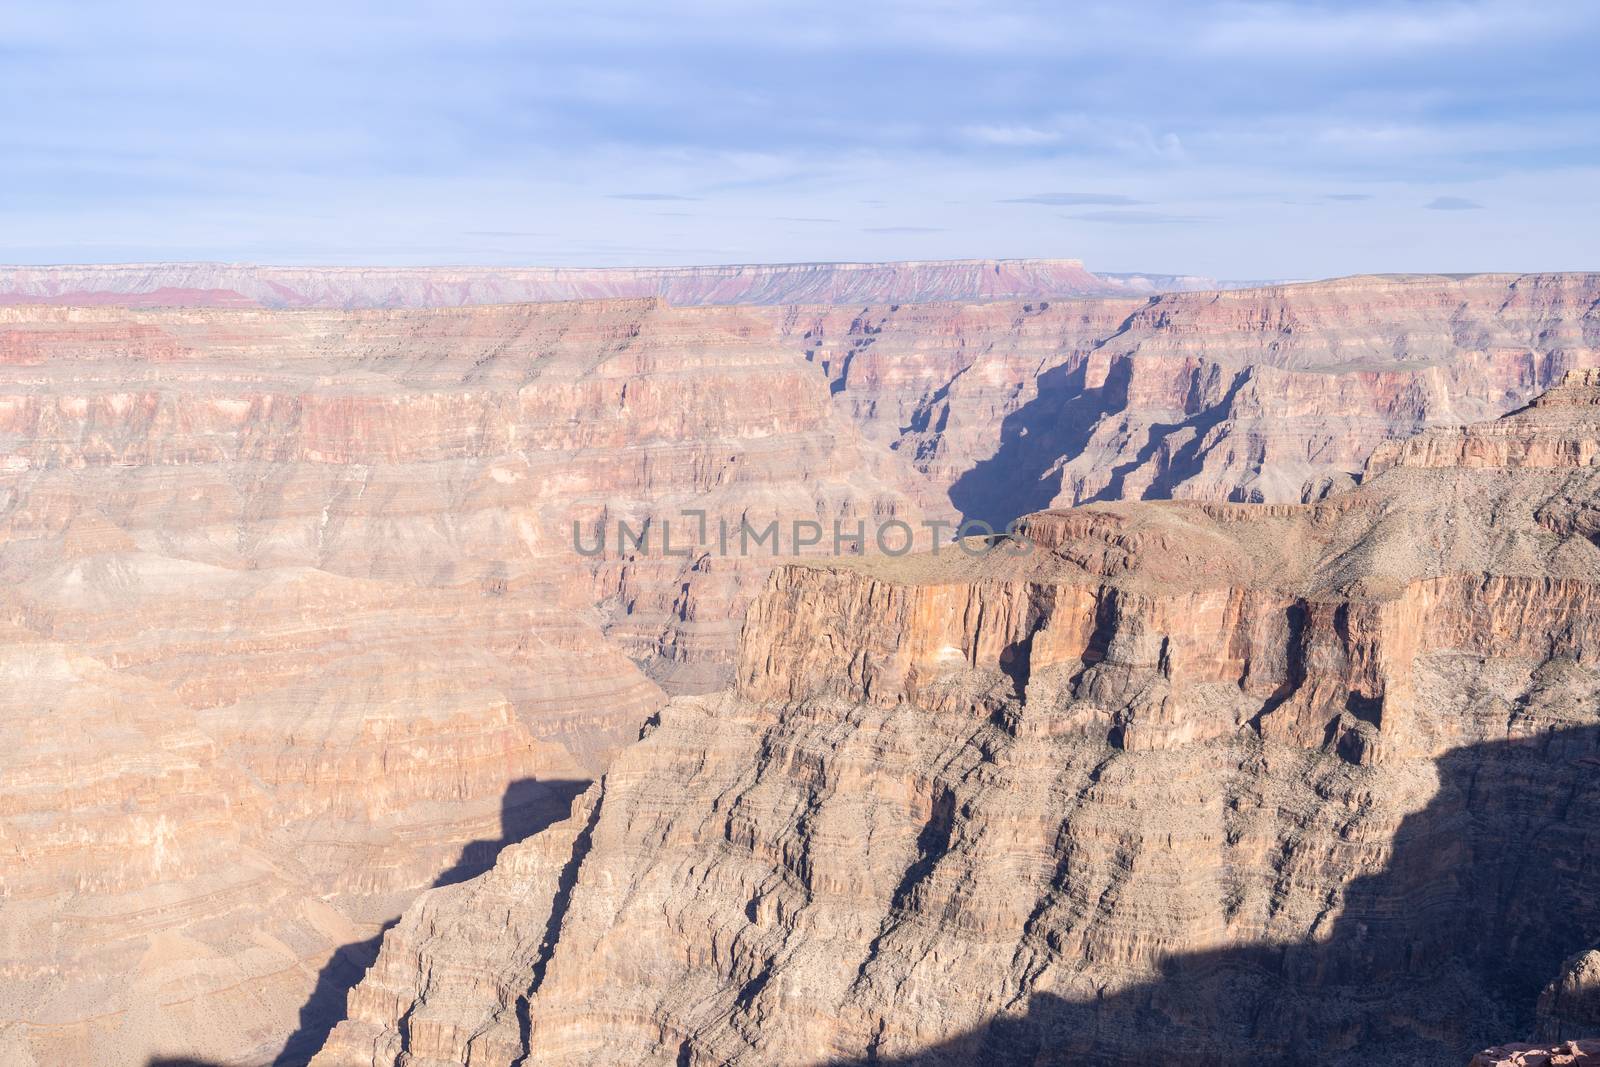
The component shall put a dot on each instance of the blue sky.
(1241, 140)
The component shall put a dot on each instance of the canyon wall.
(1268, 394)
(293, 623)
(1183, 782)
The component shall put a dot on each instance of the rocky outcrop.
(1551, 432)
(1570, 1005)
(1184, 782)
(292, 623)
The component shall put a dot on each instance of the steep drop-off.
(1185, 783)
(292, 626)
(1268, 394)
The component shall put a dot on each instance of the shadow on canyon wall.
(1180, 464)
(1022, 476)
(1025, 474)
(528, 806)
(1441, 954)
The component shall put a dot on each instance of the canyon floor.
(294, 628)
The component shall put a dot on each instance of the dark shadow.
(1016, 658)
(1025, 473)
(1294, 617)
(1182, 464)
(325, 1007)
(1442, 953)
(528, 806)
(565, 884)
(1022, 476)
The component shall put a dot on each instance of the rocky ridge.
(1186, 782)
(239, 285)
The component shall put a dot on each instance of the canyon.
(295, 626)
(1180, 782)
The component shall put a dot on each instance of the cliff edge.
(1185, 782)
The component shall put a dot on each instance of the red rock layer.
(1267, 394)
(301, 581)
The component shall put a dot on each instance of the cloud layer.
(1232, 138)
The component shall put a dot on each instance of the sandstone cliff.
(1186, 783)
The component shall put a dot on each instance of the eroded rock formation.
(1565, 1054)
(1252, 395)
(291, 625)
(1186, 783)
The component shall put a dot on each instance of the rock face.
(1570, 1005)
(235, 285)
(1184, 783)
(1254, 395)
(292, 624)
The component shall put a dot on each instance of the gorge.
(1188, 782)
(294, 630)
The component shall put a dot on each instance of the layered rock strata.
(1270, 394)
(292, 624)
(1184, 783)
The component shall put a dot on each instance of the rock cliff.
(1183, 783)
(292, 624)
(1566, 1054)
(1266, 394)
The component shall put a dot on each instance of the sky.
(1238, 140)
